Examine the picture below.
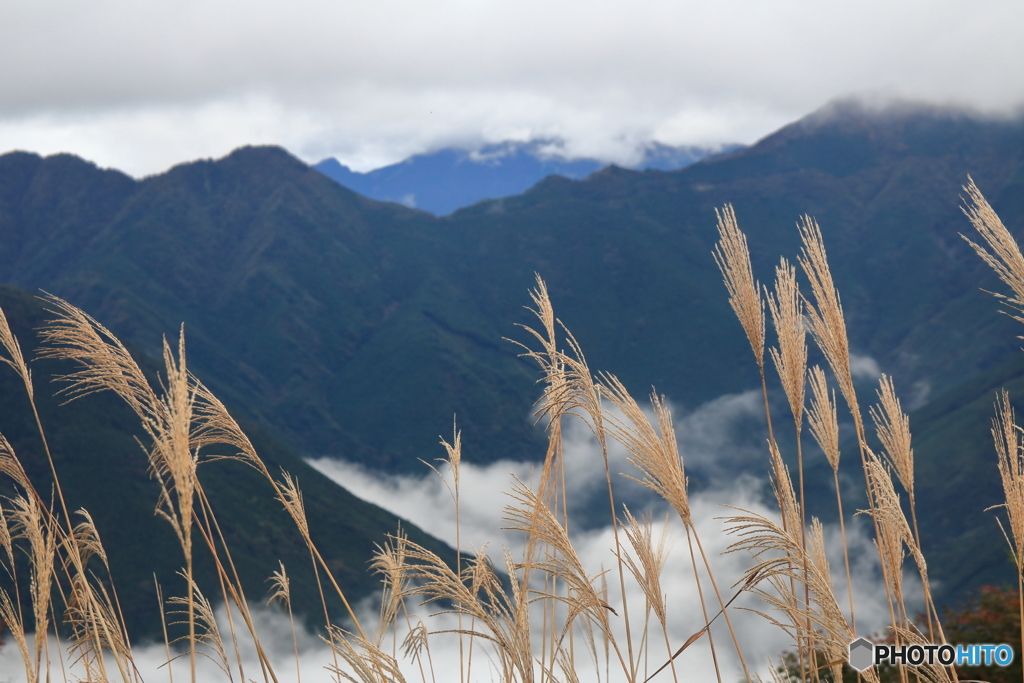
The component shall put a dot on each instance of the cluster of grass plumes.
(544, 616)
(792, 574)
(181, 421)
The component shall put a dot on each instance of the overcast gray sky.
(143, 85)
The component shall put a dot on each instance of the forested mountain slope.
(356, 329)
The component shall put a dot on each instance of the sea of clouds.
(720, 443)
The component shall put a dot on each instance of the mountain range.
(451, 178)
(340, 326)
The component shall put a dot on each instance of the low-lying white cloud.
(714, 430)
(759, 640)
(724, 437)
(718, 441)
(705, 434)
(428, 500)
(864, 367)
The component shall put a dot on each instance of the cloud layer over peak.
(144, 85)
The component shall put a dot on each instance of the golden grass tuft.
(790, 357)
(893, 429)
(1010, 453)
(826, 319)
(822, 417)
(652, 451)
(1005, 257)
(733, 259)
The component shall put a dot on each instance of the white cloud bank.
(714, 439)
(143, 85)
(759, 639)
(716, 430)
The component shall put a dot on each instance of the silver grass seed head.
(733, 259)
(790, 357)
(822, 417)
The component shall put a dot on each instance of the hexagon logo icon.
(861, 654)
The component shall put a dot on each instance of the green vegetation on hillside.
(104, 469)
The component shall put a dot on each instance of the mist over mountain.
(355, 329)
(441, 182)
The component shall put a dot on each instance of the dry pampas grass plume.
(1003, 255)
(733, 259)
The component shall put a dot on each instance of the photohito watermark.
(865, 654)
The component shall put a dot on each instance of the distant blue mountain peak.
(448, 179)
